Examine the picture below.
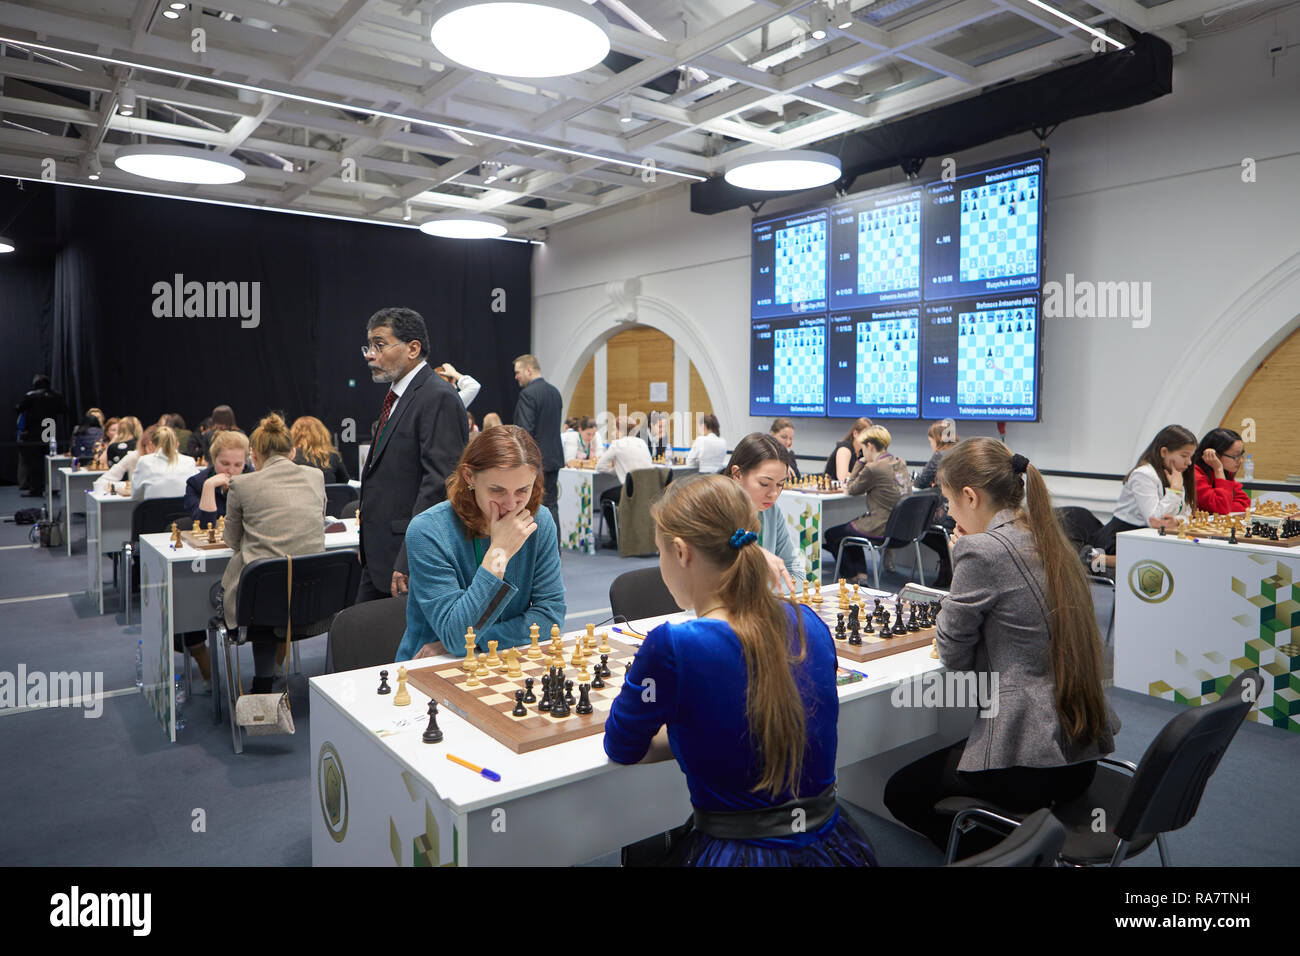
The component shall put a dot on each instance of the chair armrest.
(1121, 764)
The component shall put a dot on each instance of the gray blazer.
(994, 622)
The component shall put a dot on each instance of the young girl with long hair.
(1215, 465)
(1157, 492)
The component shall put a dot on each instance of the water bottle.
(180, 703)
(139, 663)
(1248, 468)
(54, 447)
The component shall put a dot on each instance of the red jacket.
(1220, 495)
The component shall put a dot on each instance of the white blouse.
(709, 452)
(1144, 497)
(155, 477)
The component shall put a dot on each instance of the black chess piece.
(568, 692)
(1161, 531)
(912, 625)
(604, 665)
(1232, 535)
(560, 707)
(597, 682)
(584, 700)
(869, 629)
(383, 683)
(545, 705)
(853, 617)
(839, 627)
(432, 734)
(884, 622)
(900, 626)
(529, 696)
(520, 710)
(855, 635)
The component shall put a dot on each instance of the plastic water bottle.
(180, 703)
(54, 447)
(139, 663)
(1248, 468)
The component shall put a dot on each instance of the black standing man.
(43, 410)
(540, 412)
(421, 433)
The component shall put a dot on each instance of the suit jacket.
(994, 622)
(406, 472)
(272, 512)
(540, 412)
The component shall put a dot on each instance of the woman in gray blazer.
(1019, 616)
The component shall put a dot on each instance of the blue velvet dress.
(699, 681)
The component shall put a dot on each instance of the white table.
(1192, 615)
(394, 800)
(175, 587)
(52, 465)
(108, 527)
(807, 516)
(76, 482)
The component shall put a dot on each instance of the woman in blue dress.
(744, 696)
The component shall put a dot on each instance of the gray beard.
(379, 375)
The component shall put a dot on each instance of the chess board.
(799, 366)
(873, 645)
(813, 489)
(999, 230)
(887, 362)
(800, 265)
(996, 357)
(200, 541)
(1214, 533)
(889, 248)
(488, 706)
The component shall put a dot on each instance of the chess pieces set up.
(432, 733)
(815, 483)
(921, 616)
(214, 533)
(662, 459)
(124, 489)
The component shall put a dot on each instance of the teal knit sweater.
(450, 591)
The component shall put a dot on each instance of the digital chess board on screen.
(999, 230)
(801, 264)
(887, 362)
(799, 366)
(889, 248)
(996, 358)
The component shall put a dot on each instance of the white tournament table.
(76, 482)
(52, 465)
(808, 515)
(108, 527)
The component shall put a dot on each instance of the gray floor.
(111, 791)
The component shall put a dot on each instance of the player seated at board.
(783, 431)
(128, 434)
(709, 450)
(163, 473)
(743, 696)
(759, 465)
(116, 477)
(488, 556)
(847, 451)
(656, 435)
(881, 478)
(1215, 464)
(1156, 493)
(277, 510)
(1019, 610)
(85, 437)
(206, 492)
(314, 448)
(624, 453)
(580, 443)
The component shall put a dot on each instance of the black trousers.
(369, 590)
(1104, 538)
(854, 562)
(33, 456)
(550, 497)
(609, 499)
(913, 791)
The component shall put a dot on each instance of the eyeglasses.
(1233, 457)
(369, 349)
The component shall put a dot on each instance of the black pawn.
(869, 629)
(900, 626)
(529, 696)
(855, 635)
(584, 700)
(912, 625)
(1232, 535)
(520, 710)
(1161, 532)
(432, 734)
(568, 692)
(546, 701)
(604, 665)
(383, 683)
(884, 622)
(839, 627)
(560, 706)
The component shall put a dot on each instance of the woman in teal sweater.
(487, 557)
(758, 464)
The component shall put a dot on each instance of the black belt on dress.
(769, 822)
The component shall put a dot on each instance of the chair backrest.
(338, 495)
(350, 509)
(154, 515)
(639, 594)
(911, 517)
(1036, 842)
(1079, 524)
(641, 489)
(367, 634)
(323, 584)
(1167, 787)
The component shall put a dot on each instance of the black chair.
(1079, 524)
(367, 634)
(150, 516)
(323, 585)
(908, 523)
(1160, 794)
(1036, 842)
(337, 496)
(635, 595)
(350, 509)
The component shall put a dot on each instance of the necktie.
(389, 400)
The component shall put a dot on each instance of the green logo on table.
(1151, 581)
(332, 789)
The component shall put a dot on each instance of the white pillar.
(600, 385)
(683, 422)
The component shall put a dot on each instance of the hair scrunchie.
(740, 537)
(1018, 464)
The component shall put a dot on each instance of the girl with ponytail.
(746, 692)
(1020, 616)
(163, 472)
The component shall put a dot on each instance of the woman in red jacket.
(1217, 459)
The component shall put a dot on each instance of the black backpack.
(28, 515)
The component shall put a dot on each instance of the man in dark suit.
(420, 435)
(540, 412)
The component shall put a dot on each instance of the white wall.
(1151, 194)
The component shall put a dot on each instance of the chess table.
(380, 796)
(578, 493)
(75, 481)
(108, 527)
(54, 479)
(809, 513)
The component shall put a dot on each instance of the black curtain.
(317, 281)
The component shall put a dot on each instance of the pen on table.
(628, 631)
(483, 771)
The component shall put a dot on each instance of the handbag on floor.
(260, 714)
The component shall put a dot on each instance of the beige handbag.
(262, 714)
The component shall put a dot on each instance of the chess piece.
(596, 682)
(1161, 531)
(1232, 535)
(868, 628)
(604, 665)
(513, 667)
(584, 676)
(807, 598)
(212, 533)
(482, 670)
(934, 649)
(534, 651)
(603, 647)
(590, 640)
(839, 627)
(493, 659)
(432, 734)
(584, 700)
(221, 526)
(568, 692)
(520, 710)
(545, 705)
(855, 634)
(176, 536)
(383, 683)
(403, 697)
(557, 646)
(470, 664)
(473, 679)
(559, 706)
(529, 696)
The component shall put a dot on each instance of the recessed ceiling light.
(94, 170)
(818, 20)
(126, 101)
(625, 109)
(843, 15)
(406, 212)
(179, 164)
(530, 38)
(6, 245)
(178, 5)
(784, 169)
(463, 226)
(171, 15)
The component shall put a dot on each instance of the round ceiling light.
(179, 164)
(6, 245)
(784, 170)
(463, 226)
(526, 38)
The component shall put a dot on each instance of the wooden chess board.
(1218, 531)
(873, 645)
(199, 541)
(488, 706)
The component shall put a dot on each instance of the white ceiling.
(341, 107)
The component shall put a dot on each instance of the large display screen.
(919, 301)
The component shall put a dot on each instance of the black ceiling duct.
(618, 62)
(1103, 83)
